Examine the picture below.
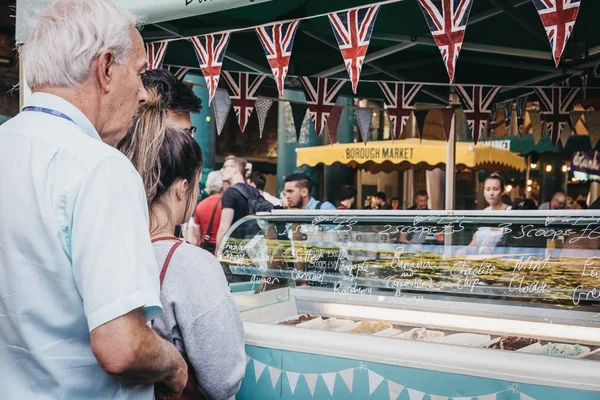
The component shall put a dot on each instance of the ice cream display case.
(419, 305)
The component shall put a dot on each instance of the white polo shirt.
(75, 253)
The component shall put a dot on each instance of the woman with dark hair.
(395, 203)
(200, 317)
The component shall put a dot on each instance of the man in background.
(421, 200)
(79, 281)
(381, 201)
(258, 180)
(297, 191)
(347, 197)
(179, 97)
(558, 202)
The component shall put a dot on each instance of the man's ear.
(305, 192)
(105, 69)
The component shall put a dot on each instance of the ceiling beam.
(494, 11)
(380, 68)
(516, 64)
(402, 66)
(509, 10)
(369, 58)
(228, 55)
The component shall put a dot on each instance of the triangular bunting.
(374, 381)
(311, 381)
(348, 377)
(575, 118)
(436, 397)
(155, 54)
(363, 117)
(476, 101)
(332, 123)
(565, 134)
(258, 369)
(447, 21)
(462, 398)
(395, 390)
(352, 30)
(447, 116)
(321, 99)
(292, 380)
(243, 86)
(277, 41)
(329, 379)
(487, 397)
(298, 115)
(179, 72)
(221, 107)
(275, 373)
(557, 104)
(262, 105)
(398, 99)
(558, 17)
(247, 359)
(521, 111)
(421, 116)
(507, 105)
(526, 397)
(536, 125)
(415, 394)
(210, 50)
(592, 124)
(492, 119)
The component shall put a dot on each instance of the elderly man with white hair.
(78, 278)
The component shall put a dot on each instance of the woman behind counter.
(200, 317)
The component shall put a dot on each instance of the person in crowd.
(486, 238)
(557, 202)
(283, 200)
(200, 316)
(297, 190)
(179, 98)
(381, 201)
(421, 200)
(347, 197)
(258, 180)
(235, 198)
(395, 203)
(78, 275)
(208, 212)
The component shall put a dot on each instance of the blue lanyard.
(48, 111)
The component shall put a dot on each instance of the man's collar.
(56, 103)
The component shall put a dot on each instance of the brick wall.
(9, 74)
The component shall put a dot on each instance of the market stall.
(400, 155)
(398, 305)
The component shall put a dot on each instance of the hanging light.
(565, 168)
(529, 182)
(529, 188)
(533, 165)
(549, 168)
(508, 188)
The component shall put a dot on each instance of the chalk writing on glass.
(408, 267)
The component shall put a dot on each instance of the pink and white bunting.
(321, 99)
(558, 17)
(155, 54)
(277, 41)
(447, 21)
(353, 30)
(244, 87)
(398, 99)
(210, 50)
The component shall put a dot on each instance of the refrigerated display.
(419, 305)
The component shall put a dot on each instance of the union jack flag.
(558, 17)
(397, 104)
(210, 50)
(353, 30)
(179, 72)
(321, 99)
(155, 54)
(278, 40)
(476, 102)
(557, 109)
(243, 86)
(447, 21)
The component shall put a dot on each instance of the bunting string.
(347, 375)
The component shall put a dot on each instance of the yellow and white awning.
(403, 154)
